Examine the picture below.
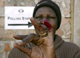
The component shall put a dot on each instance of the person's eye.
(51, 17)
(38, 17)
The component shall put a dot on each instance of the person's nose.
(42, 20)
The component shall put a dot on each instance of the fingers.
(36, 25)
(51, 34)
(50, 30)
(32, 37)
(48, 25)
(26, 50)
(20, 37)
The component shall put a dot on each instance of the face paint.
(40, 26)
(48, 25)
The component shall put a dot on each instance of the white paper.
(17, 17)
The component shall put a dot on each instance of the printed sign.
(18, 17)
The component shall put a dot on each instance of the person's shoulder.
(71, 46)
(16, 53)
(72, 49)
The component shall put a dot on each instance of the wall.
(77, 22)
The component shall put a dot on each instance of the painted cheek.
(48, 25)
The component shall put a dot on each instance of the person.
(45, 43)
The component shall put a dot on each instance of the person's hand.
(44, 45)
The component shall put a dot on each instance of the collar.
(58, 41)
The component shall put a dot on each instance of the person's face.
(46, 13)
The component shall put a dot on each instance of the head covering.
(50, 4)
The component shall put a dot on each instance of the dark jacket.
(62, 50)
